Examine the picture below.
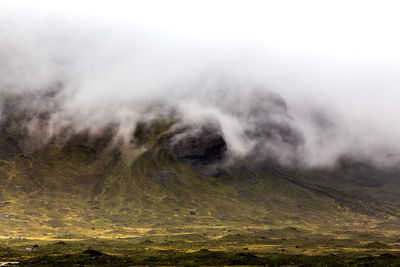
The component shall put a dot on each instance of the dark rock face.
(266, 128)
(198, 145)
(271, 126)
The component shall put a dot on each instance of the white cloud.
(116, 57)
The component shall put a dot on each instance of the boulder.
(198, 145)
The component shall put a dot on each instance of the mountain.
(89, 186)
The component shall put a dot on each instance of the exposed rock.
(93, 253)
(267, 131)
(271, 127)
(387, 256)
(198, 145)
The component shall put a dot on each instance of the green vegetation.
(86, 202)
(254, 248)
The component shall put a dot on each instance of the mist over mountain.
(298, 98)
(199, 133)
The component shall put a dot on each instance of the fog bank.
(325, 73)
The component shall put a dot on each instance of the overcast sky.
(350, 47)
(342, 56)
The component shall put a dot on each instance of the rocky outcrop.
(269, 124)
(198, 144)
(265, 130)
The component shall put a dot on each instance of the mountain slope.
(88, 187)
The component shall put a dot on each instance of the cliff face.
(198, 144)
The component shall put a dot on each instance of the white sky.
(342, 27)
(345, 46)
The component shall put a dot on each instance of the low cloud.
(275, 87)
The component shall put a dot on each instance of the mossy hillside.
(89, 187)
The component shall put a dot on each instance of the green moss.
(155, 209)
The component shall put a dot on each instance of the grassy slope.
(67, 198)
(83, 188)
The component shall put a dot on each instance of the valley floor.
(286, 246)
